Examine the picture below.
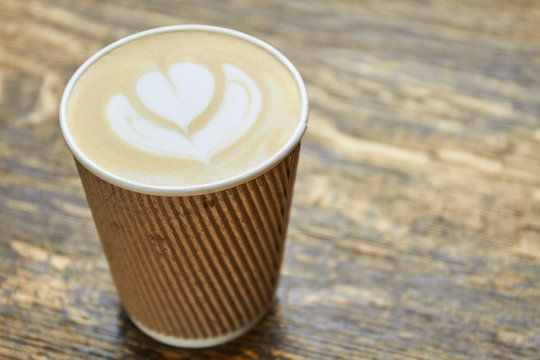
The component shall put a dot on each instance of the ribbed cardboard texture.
(195, 267)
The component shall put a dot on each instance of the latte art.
(181, 98)
(183, 108)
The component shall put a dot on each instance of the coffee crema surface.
(183, 108)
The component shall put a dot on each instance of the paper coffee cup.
(194, 266)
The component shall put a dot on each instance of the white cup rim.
(192, 189)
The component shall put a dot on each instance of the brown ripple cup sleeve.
(195, 267)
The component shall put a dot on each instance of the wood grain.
(415, 227)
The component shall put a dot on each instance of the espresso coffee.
(183, 108)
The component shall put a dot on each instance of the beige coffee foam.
(118, 71)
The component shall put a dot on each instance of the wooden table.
(415, 229)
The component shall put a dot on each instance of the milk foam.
(183, 108)
(180, 98)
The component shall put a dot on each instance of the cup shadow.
(257, 341)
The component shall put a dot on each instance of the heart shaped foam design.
(179, 99)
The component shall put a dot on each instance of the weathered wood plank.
(415, 229)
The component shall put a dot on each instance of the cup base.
(197, 343)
